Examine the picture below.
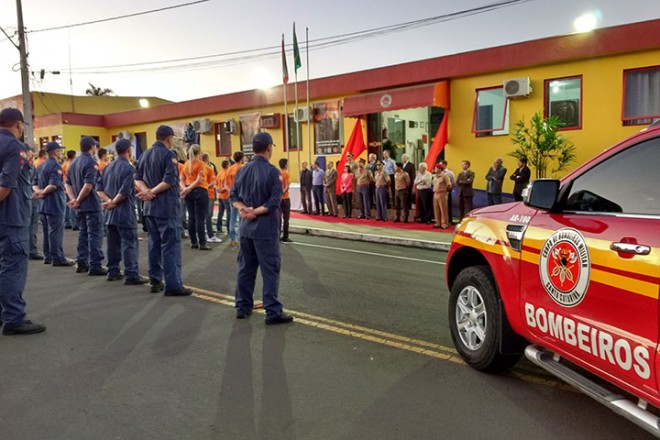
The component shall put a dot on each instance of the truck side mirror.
(541, 194)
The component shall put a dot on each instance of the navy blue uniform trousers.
(13, 273)
(90, 239)
(53, 227)
(122, 245)
(165, 250)
(264, 255)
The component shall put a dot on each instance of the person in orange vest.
(194, 189)
(210, 178)
(239, 157)
(285, 204)
(223, 195)
(104, 159)
(41, 158)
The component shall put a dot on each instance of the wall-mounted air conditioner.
(230, 126)
(202, 125)
(301, 114)
(517, 87)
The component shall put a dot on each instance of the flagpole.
(309, 122)
(295, 92)
(285, 83)
(296, 120)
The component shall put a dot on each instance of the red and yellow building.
(604, 85)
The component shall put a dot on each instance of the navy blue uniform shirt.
(50, 173)
(117, 178)
(84, 169)
(15, 173)
(159, 164)
(258, 184)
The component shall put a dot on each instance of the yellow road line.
(379, 337)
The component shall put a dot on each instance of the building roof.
(628, 38)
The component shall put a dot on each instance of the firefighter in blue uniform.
(49, 189)
(15, 206)
(115, 188)
(157, 179)
(256, 194)
(81, 182)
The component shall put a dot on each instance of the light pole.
(25, 80)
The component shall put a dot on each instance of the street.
(368, 357)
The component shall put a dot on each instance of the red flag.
(439, 142)
(285, 69)
(355, 146)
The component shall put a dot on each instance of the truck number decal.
(517, 218)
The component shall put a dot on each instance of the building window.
(641, 96)
(222, 140)
(563, 99)
(291, 141)
(491, 112)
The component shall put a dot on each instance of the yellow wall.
(602, 95)
(71, 134)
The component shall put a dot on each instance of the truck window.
(628, 182)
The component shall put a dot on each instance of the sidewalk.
(400, 234)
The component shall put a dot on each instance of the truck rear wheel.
(474, 320)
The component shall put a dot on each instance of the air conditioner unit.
(301, 115)
(517, 87)
(202, 125)
(124, 135)
(230, 126)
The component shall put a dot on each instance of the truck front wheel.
(474, 320)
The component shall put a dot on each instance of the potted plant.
(542, 145)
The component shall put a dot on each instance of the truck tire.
(474, 315)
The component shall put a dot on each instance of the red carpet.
(374, 223)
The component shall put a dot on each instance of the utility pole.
(25, 79)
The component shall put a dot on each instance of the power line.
(248, 55)
(119, 17)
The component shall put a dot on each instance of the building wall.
(71, 134)
(602, 97)
(47, 103)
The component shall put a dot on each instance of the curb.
(371, 238)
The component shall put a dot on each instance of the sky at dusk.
(113, 54)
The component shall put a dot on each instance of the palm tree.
(97, 91)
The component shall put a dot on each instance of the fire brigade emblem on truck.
(564, 267)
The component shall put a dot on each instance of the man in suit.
(409, 168)
(495, 177)
(521, 177)
(306, 185)
(464, 180)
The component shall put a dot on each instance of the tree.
(542, 145)
(97, 91)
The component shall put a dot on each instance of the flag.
(297, 64)
(439, 142)
(355, 146)
(285, 69)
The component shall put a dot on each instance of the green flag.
(297, 64)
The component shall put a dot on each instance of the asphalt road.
(369, 357)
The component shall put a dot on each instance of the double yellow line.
(383, 338)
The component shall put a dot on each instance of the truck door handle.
(631, 248)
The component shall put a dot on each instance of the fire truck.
(570, 277)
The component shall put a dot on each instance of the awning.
(387, 100)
